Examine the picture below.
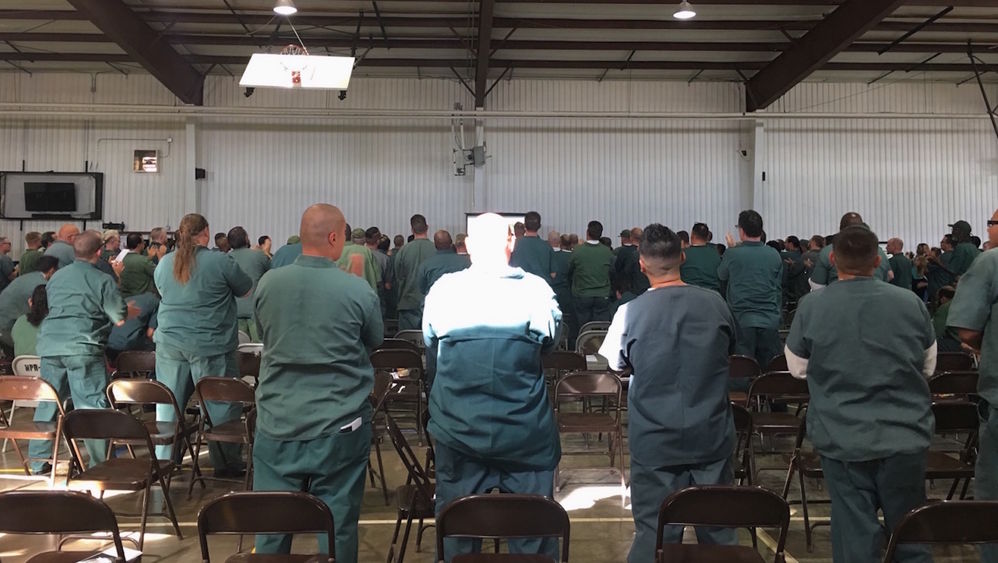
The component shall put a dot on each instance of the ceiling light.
(285, 8)
(684, 12)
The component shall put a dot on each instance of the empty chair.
(954, 417)
(595, 325)
(28, 366)
(414, 336)
(590, 388)
(415, 498)
(954, 361)
(726, 507)
(58, 512)
(260, 512)
(953, 384)
(561, 361)
(135, 363)
(406, 369)
(742, 370)
(946, 523)
(778, 363)
(21, 388)
(236, 431)
(743, 448)
(589, 342)
(806, 464)
(504, 516)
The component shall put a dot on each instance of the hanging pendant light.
(685, 11)
(285, 8)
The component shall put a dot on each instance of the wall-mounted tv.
(50, 197)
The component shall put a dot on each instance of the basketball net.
(294, 65)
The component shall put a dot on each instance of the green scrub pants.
(651, 485)
(84, 378)
(180, 370)
(459, 475)
(589, 309)
(410, 319)
(250, 328)
(331, 468)
(857, 490)
(986, 476)
(763, 344)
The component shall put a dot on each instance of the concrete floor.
(601, 524)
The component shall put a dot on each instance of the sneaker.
(44, 469)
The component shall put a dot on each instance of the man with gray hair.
(899, 263)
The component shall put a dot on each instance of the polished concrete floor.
(601, 522)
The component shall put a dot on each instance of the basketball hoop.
(296, 63)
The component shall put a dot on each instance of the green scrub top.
(902, 269)
(533, 256)
(14, 299)
(285, 255)
(962, 257)
(83, 304)
(489, 399)
(700, 268)
(318, 325)
(561, 264)
(25, 336)
(865, 343)
(63, 251)
(795, 283)
(137, 276)
(973, 308)
(754, 273)
(29, 261)
(255, 263)
(590, 267)
(825, 273)
(371, 273)
(405, 269)
(200, 316)
(443, 262)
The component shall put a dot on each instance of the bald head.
(322, 228)
(850, 219)
(68, 232)
(895, 245)
(442, 240)
(87, 244)
(489, 239)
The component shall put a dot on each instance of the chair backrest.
(103, 424)
(30, 366)
(595, 325)
(743, 419)
(399, 344)
(24, 388)
(382, 386)
(947, 522)
(417, 473)
(142, 392)
(248, 364)
(954, 361)
(778, 363)
(589, 342)
(499, 516)
(414, 336)
(743, 367)
(778, 384)
(962, 382)
(955, 416)
(224, 390)
(562, 360)
(255, 512)
(136, 363)
(57, 512)
(395, 359)
(250, 347)
(588, 384)
(244, 338)
(727, 507)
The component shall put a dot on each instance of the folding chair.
(589, 342)
(399, 344)
(503, 516)
(959, 385)
(742, 370)
(382, 387)
(28, 366)
(20, 388)
(244, 338)
(414, 336)
(954, 417)
(726, 507)
(585, 387)
(238, 431)
(118, 473)
(415, 498)
(248, 364)
(266, 512)
(778, 363)
(561, 362)
(954, 361)
(409, 380)
(776, 387)
(595, 325)
(135, 364)
(743, 448)
(807, 464)
(948, 522)
(58, 512)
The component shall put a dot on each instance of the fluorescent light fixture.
(285, 8)
(314, 72)
(684, 12)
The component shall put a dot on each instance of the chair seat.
(275, 558)
(809, 464)
(232, 431)
(738, 397)
(29, 430)
(774, 422)
(939, 465)
(161, 432)
(684, 553)
(61, 556)
(405, 493)
(501, 558)
(120, 473)
(586, 422)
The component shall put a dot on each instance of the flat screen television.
(50, 197)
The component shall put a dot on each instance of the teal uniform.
(902, 269)
(133, 334)
(626, 265)
(562, 286)
(197, 337)
(285, 255)
(6, 270)
(63, 251)
(939, 275)
(974, 308)
(137, 276)
(490, 416)
(676, 341)
(319, 325)
(533, 255)
(371, 272)
(700, 268)
(962, 257)
(795, 283)
(25, 336)
(443, 262)
(589, 269)
(255, 263)
(14, 302)
(754, 274)
(870, 414)
(29, 261)
(83, 305)
(824, 271)
(405, 266)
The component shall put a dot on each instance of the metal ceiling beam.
(843, 26)
(125, 28)
(486, 8)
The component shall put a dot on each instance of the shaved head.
(322, 227)
(86, 244)
(489, 239)
(850, 219)
(442, 240)
(68, 232)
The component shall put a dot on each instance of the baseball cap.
(961, 226)
(626, 233)
(294, 239)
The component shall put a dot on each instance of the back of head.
(660, 249)
(48, 237)
(110, 234)
(384, 243)
(565, 242)
(191, 226)
(700, 232)
(238, 238)
(818, 241)
(418, 224)
(792, 243)
(262, 240)
(684, 236)
(156, 234)
(68, 232)
(133, 240)
(399, 241)
(532, 221)
(33, 238)
(574, 238)
(459, 241)
(317, 224)
(488, 239)
(554, 238)
(594, 230)
(39, 305)
(751, 222)
(849, 219)
(636, 233)
(86, 244)
(46, 263)
(442, 240)
(373, 235)
(855, 251)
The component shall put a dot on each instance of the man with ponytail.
(197, 335)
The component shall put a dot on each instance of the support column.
(191, 197)
(480, 202)
(752, 199)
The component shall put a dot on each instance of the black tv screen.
(50, 197)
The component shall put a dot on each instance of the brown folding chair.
(238, 431)
(585, 387)
(399, 344)
(959, 385)
(119, 473)
(947, 523)
(806, 464)
(743, 370)
(954, 417)
(778, 363)
(379, 394)
(503, 516)
(415, 498)
(28, 366)
(595, 325)
(725, 507)
(954, 361)
(267, 512)
(588, 342)
(743, 447)
(408, 389)
(59, 512)
(561, 362)
(248, 364)
(413, 336)
(135, 363)
(778, 387)
(20, 388)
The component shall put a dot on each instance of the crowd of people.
(865, 326)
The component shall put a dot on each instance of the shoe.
(230, 473)
(44, 469)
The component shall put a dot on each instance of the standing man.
(445, 261)
(14, 299)
(405, 270)
(964, 251)
(754, 274)
(866, 349)
(255, 263)
(625, 264)
(899, 264)
(357, 258)
(137, 275)
(673, 337)
(532, 254)
(701, 260)
(489, 409)
(824, 271)
(795, 284)
(287, 253)
(590, 271)
(33, 242)
(973, 312)
(554, 240)
(561, 266)
(62, 246)
(7, 272)
(313, 431)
